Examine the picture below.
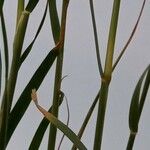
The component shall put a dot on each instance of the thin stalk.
(130, 38)
(58, 76)
(96, 39)
(68, 118)
(86, 120)
(0, 75)
(131, 141)
(101, 116)
(19, 10)
(107, 76)
(5, 46)
(10, 87)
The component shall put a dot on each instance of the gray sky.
(83, 81)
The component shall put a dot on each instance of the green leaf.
(24, 100)
(66, 130)
(28, 49)
(5, 43)
(38, 136)
(134, 112)
(11, 82)
(61, 126)
(1, 5)
(144, 91)
(54, 20)
(31, 5)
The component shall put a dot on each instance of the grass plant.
(10, 115)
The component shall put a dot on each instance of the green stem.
(86, 120)
(96, 39)
(19, 10)
(107, 76)
(58, 76)
(101, 115)
(10, 87)
(131, 141)
(111, 39)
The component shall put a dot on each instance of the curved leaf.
(28, 49)
(144, 91)
(134, 112)
(60, 125)
(37, 139)
(24, 100)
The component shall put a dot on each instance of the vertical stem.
(58, 76)
(131, 141)
(111, 39)
(10, 87)
(101, 115)
(19, 10)
(107, 76)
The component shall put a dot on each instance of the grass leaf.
(135, 104)
(24, 100)
(5, 42)
(31, 5)
(60, 125)
(38, 136)
(28, 49)
(1, 6)
(54, 20)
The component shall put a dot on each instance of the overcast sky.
(83, 79)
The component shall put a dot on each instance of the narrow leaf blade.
(31, 5)
(134, 106)
(144, 91)
(60, 125)
(24, 100)
(38, 136)
(28, 49)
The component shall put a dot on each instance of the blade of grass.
(54, 20)
(107, 76)
(144, 92)
(24, 100)
(87, 118)
(136, 106)
(96, 38)
(60, 125)
(1, 6)
(31, 5)
(5, 46)
(38, 136)
(28, 49)
(58, 76)
(68, 118)
(130, 38)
